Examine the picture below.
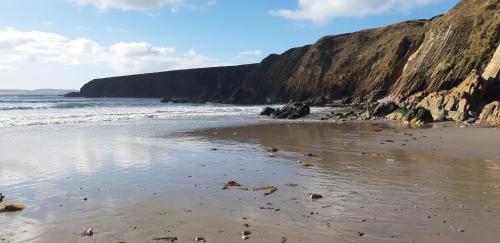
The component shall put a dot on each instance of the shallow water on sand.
(158, 178)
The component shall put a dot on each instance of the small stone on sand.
(11, 208)
(87, 232)
(231, 184)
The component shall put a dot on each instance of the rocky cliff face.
(216, 84)
(417, 63)
(456, 43)
(365, 63)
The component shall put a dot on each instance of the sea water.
(20, 108)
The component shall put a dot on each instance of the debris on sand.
(1, 197)
(87, 232)
(292, 184)
(273, 150)
(283, 239)
(231, 184)
(11, 208)
(270, 189)
(307, 165)
(271, 155)
(200, 239)
(168, 238)
(315, 196)
(245, 234)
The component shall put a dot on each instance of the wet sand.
(141, 182)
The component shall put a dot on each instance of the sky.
(63, 44)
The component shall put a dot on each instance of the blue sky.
(65, 43)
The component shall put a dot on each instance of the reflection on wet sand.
(140, 185)
(398, 194)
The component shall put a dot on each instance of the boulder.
(292, 110)
(417, 116)
(384, 109)
(491, 113)
(268, 111)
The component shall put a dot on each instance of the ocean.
(20, 108)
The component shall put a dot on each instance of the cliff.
(395, 62)
(216, 84)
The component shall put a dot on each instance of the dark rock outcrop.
(414, 117)
(292, 110)
(268, 111)
(73, 94)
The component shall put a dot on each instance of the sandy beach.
(135, 182)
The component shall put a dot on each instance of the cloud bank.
(17, 47)
(320, 11)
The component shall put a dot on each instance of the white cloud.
(145, 5)
(140, 5)
(17, 48)
(320, 11)
(250, 53)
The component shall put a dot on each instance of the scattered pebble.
(200, 239)
(315, 196)
(11, 208)
(1, 197)
(231, 184)
(168, 238)
(273, 149)
(87, 232)
(283, 239)
(271, 191)
(245, 234)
